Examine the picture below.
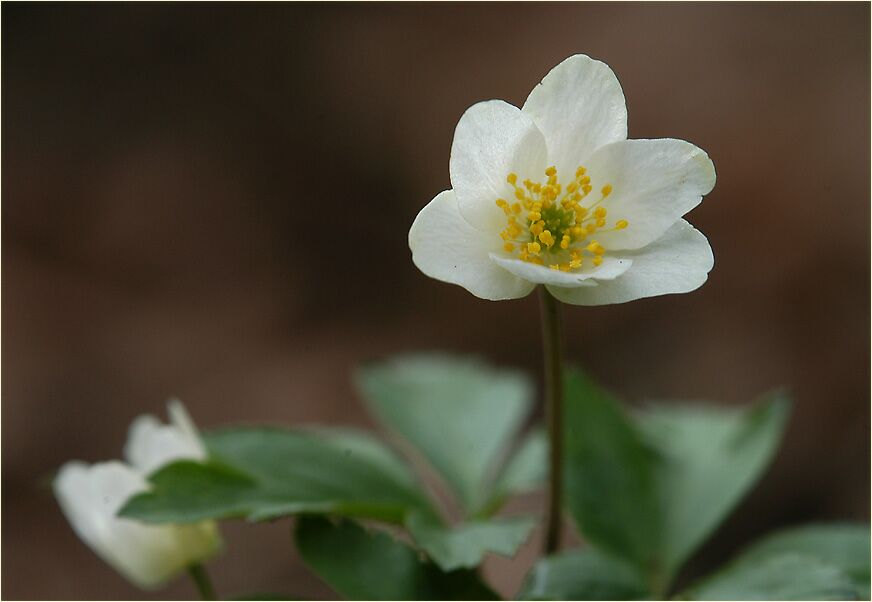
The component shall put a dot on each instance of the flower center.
(550, 222)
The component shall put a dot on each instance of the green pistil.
(558, 221)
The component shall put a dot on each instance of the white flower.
(151, 444)
(91, 496)
(554, 193)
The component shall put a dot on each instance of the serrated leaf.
(842, 545)
(779, 577)
(458, 412)
(709, 457)
(527, 470)
(364, 446)
(264, 473)
(464, 545)
(583, 575)
(610, 472)
(362, 565)
(650, 490)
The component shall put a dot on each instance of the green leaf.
(650, 490)
(465, 545)
(844, 546)
(362, 565)
(458, 412)
(528, 468)
(264, 473)
(709, 459)
(364, 446)
(784, 576)
(188, 491)
(610, 473)
(583, 575)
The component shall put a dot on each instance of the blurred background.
(171, 173)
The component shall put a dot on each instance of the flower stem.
(201, 579)
(552, 343)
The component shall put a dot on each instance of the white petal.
(654, 183)
(151, 444)
(579, 107)
(610, 268)
(492, 140)
(148, 555)
(677, 263)
(446, 247)
(183, 423)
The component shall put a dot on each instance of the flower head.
(91, 496)
(151, 444)
(554, 194)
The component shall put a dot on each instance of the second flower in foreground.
(91, 496)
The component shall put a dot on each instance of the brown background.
(213, 202)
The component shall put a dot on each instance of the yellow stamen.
(547, 218)
(595, 247)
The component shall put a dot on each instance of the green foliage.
(188, 491)
(610, 473)
(464, 545)
(823, 562)
(709, 458)
(459, 413)
(650, 490)
(527, 469)
(264, 473)
(646, 489)
(363, 565)
(783, 576)
(583, 575)
(845, 546)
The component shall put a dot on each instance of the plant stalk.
(201, 579)
(552, 343)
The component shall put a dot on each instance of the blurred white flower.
(554, 193)
(91, 496)
(151, 444)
